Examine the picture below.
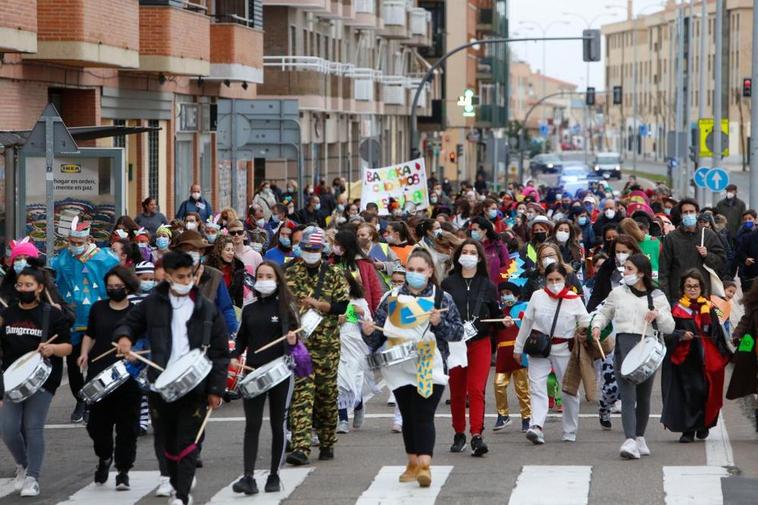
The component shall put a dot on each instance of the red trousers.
(470, 381)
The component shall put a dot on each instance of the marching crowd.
(557, 291)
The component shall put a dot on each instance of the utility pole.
(699, 192)
(679, 102)
(635, 126)
(717, 148)
(754, 117)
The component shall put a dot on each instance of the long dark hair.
(349, 243)
(486, 225)
(643, 266)
(557, 267)
(125, 275)
(402, 229)
(481, 267)
(694, 273)
(286, 300)
(214, 259)
(424, 255)
(355, 290)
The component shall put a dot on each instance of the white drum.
(25, 376)
(183, 375)
(266, 377)
(104, 383)
(392, 356)
(643, 360)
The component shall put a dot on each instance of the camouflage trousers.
(314, 403)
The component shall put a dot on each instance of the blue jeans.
(22, 427)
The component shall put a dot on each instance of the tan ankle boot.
(424, 476)
(409, 475)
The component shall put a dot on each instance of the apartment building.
(352, 66)
(157, 63)
(648, 44)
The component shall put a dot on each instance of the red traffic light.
(747, 87)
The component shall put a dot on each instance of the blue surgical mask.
(748, 225)
(19, 265)
(296, 251)
(689, 220)
(416, 280)
(285, 242)
(492, 213)
(211, 237)
(582, 220)
(275, 218)
(146, 286)
(340, 207)
(162, 243)
(508, 299)
(476, 235)
(317, 206)
(77, 250)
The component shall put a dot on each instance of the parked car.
(574, 177)
(545, 163)
(608, 165)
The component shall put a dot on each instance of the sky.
(563, 59)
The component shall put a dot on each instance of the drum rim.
(40, 361)
(196, 352)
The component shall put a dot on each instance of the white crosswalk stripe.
(385, 489)
(290, 477)
(693, 485)
(141, 484)
(569, 485)
(6, 486)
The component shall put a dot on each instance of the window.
(292, 43)
(119, 140)
(152, 159)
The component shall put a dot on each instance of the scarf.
(567, 293)
(699, 311)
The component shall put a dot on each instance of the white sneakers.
(342, 427)
(18, 484)
(164, 488)
(569, 437)
(30, 487)
(397, 428)
(358, 416)
(642, 446)
(629, 449)
(535, 435)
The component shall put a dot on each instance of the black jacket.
(678, 254)
(603, 283)
(152, 318)
(481, 288)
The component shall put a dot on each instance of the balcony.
(236, 53)
(304, 77)
(395, 17)
(18, 27)
(174, 40)
(364, 15)
(363, 83)
(484, 68)
(484, 22)
(421, 27)
(394, 90)
(92, 33)
(318, 6)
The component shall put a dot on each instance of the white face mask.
(260, 222)
(556, 287)
(265, 287)
(468, 260)
(196, 196)
(256, 246)
(610, 213)
(622, 257)
(546, 262)
(191, 225)
(195, 257)
(311, 258)
(181, 289)
(562, 236)
(730, 194)
(631, 279)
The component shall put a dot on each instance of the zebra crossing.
(568, 485)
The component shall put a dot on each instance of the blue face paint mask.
(416, 280)
(689, 220)
(508, 299)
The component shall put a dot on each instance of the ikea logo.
(71, 168)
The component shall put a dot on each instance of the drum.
(104, 383)
(234, 374)
(183, 375)
(392, 356)
(643, 360)
(25, 376)
(266, 377)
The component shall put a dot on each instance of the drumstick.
(644, 330)
(602, 353)
(702, 237)
(103, 354)
(426, 314)
(144, 351)
(144, 360)
(52, 338)
(48, 341)
(273, 343)
(498, 320)
(2, 302)
(202, 426)
(245, 367)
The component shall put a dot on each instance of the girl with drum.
(264, 321)
(121, 408)
(476, 298)
(419, 312)
(551, 317)
(29, 325)
(634, 307)
(692, 377)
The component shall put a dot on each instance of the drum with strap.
(266, 377)
(25, 376)
(105, 383)
(186, 373)
(643, 359)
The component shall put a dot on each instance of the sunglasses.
(237, 232)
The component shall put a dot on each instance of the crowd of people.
(554, 290)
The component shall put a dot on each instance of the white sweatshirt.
(627, 312)
(539, 316)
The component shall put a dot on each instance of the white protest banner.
(403, 182)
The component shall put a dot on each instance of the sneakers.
(314, 439)
(702, 434)
(30, 487)
(245, 485)
(178, 501)
(326, 454)
(409, 475)
(616, 407)
(77, 416)
(569, 437)
(459, 443)
(535, 435)
(297, 458)
(642, 446)
(525, 424)
(687, 437)
(397, 428)
(101, 473)
(18, 483)
(358, 416)
(478, 447)
(273, 484)
(342, 427)
(424, 476)
(502, 422)
(605, 421)
(629, 449)
(164, 487)
(122, 481)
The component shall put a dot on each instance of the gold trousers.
(520, 385)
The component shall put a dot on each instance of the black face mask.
(540, 236)
(117, 295)
(27, 296)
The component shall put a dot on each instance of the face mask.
(588, 206)
(437, 233)
(508, 299)
(748, 225)
(340, 207)
(468, 260)
(558, 216)
(546, 262)
(557, 287)
(476, 234)
(195, 196)
(116, 295)
(195, 257)
(311, 258)
(562, 236)
(433, 199)
(416, 280)
(492, 213)
(530, 215)
(275, 218)
(191, 225)
(146, 286)
(730, 195)
(631, 280)
(327, 249)
(317, 206)
(338, 250)
(26, 296)
(211, 238)
(689, 220)
(143, 245)
(285, 242)
(610, 213)
(77, 250)
(162, 243)
(391, 240)
(265, 287)
(256, 246)
(540, 236)
(19, 265)
(582, 220)
(667, 211)
(622, 257)
(296, 251)
(260, 222)
(377, 227)
(181, 289)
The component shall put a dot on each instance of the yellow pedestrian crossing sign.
(706, 137)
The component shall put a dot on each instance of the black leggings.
(278, 403)
(418, 418)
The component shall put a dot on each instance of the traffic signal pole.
(717, 100)
(753, 202)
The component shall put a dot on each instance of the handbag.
(537, 343)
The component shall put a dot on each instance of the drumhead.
(263, 370)
(637, 355)
(21, 369)
(179, 367)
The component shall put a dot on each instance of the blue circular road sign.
(717, 179)
(699, 176)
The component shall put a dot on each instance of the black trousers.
(278, 402)
(75, 376)
(119, 409)
(176, 425)
(418, 418)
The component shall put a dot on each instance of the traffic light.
(589, 98)
(591, 45)
(618, 94)
(451, 156)
(693, 154)
(747, 87)
(459, 149)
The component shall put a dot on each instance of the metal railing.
(364, 6)
(297, 63)
(394, 12)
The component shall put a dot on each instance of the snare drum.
(266, 377)
(234, 373)
(25, 376)
(183, 375)
(104, 383)
(392, 356)
(643, 360)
